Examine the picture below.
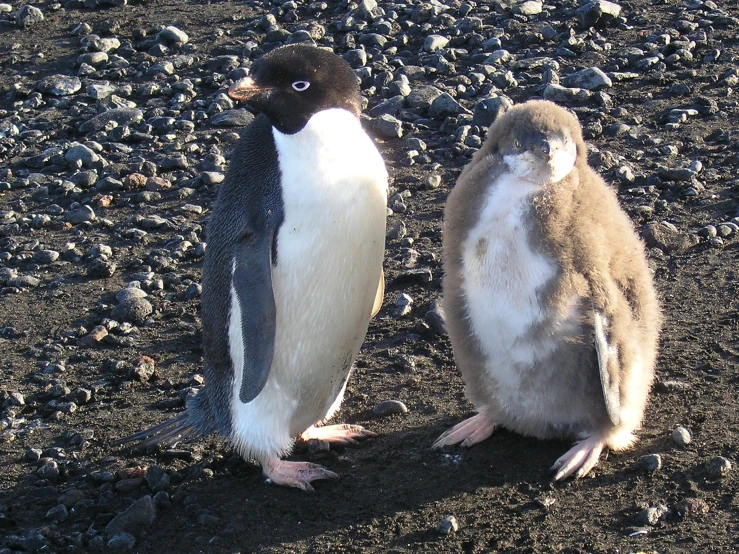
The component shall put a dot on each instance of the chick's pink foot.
(295, 474)
(470, 431)
(579, 459)
(338, 434)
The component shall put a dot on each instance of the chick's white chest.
(502, 278)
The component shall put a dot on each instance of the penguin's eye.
(300, 86)
(517, 144)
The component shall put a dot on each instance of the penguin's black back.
(249, 202)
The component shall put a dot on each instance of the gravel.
(118, 133)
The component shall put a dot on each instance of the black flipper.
(252, 280)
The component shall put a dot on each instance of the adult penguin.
(293, 266)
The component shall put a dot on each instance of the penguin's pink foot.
(295, 474)
(579, 459)
(470, 431)
(338, 434)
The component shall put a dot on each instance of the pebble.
(389, 407)
(233, 118)
(651, 516)
(403, 304)
(650, 462)
(28, 16)
(100, 268)
(121, 542)
(600, 12)
(486, 111)
(448, 525)
(135, 519)
(81, 214)
(387, 126)
(59, 85)
(718, 467)
(134, 310)
(48, 470)
(591, 78)
(681, 436)
(172, 35)
(692, 507)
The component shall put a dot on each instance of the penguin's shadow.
(387, 476)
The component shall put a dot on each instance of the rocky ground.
(114, 134)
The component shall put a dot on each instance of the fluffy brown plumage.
(550, 305)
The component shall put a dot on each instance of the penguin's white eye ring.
(517, 144)
(300, 86)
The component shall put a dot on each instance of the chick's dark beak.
(546, 149)
(246, 89)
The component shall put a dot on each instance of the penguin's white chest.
(329, 258)
(502, 278)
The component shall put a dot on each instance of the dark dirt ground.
(393, 489)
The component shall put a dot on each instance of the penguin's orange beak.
(246, 89)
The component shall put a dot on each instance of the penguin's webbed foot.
(470, 431)
(338, 434)
(579, 460)
(295, 474)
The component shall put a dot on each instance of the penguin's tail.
(167, 433)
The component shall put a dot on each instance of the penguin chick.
(293, 268)
(551, 309)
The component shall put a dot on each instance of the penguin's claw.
(470, 431)
(295, 474)
(338, 434)
(579, 460)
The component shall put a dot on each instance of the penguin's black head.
(292, 83)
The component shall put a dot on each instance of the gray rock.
(666, 237)
(82, 154)
(529, 7)
(58, 513)
(692, 507)
(422, 97)
(434, 43)
(172, 35)
(135, 310)
(388, 126)
(138, 516)
(718, 467)
(129, 293)
(29, 16)
(600, 12)
(121, 542)
(435, 318)
(565, 95)
(48, 470)
(486, 111)
(389, 407)
(120, 116)
(356, 58)
(591, 78)
(444, 105)
(681, 436)
(403, 304)
(59, 85)
(651, 516)
(100, 268)
(390, 106)
(24, 281)
(157, 479)
(397, 231)
(233, 118)
(45, 256)
(448, 525)
(650, 462)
